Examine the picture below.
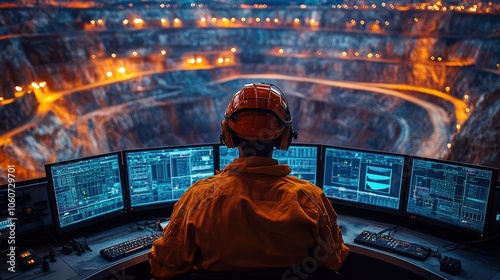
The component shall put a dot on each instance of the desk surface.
(476, 264)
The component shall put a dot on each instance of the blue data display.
(450, 193)
(363, 177)
(87, 188)
(302, 159)
(163, 175)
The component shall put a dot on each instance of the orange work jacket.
(249, 216)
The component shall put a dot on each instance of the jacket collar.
(257, 165)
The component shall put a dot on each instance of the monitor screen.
(302, 159)
(86, 190)
(450, 194)
(364, 179)
(25, 203)
(158, 177)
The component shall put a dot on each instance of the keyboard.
(387, 243)
(129, 247)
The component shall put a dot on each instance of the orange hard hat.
(259, 111)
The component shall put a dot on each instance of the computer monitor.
(451, 195)
(303, 160)
(86, 190)
(157, 177)
(25, 203)
(364, 179)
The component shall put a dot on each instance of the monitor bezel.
(458, 230)
(358, 205)
(319, 177)
(91, 221)
(495, 224)
(24, 185)
(158, 205)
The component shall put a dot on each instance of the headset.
(282, 141)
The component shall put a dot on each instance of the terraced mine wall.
(166, 105)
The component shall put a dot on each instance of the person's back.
(251, 215)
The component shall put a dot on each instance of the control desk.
(476, 263)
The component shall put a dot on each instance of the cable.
(457, 245)
(52, 237)
(150, 224)
(493, 276)
(395, 229)
(389, 230)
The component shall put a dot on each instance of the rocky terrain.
(163, 99)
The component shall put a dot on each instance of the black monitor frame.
(354, 205)
(93, 220)
(495, 219)
(161, 204)
(445, 226)
(318, 147)
(24, 207)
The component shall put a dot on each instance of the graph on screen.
(86, 189)
(448, 192)
(363, 178)
(162, 175)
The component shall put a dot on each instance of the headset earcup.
(285, 139)
(226, 135)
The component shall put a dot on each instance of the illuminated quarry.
(84, 78)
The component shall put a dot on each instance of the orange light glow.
(177, 22)
(138, 22)
(164, 22)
